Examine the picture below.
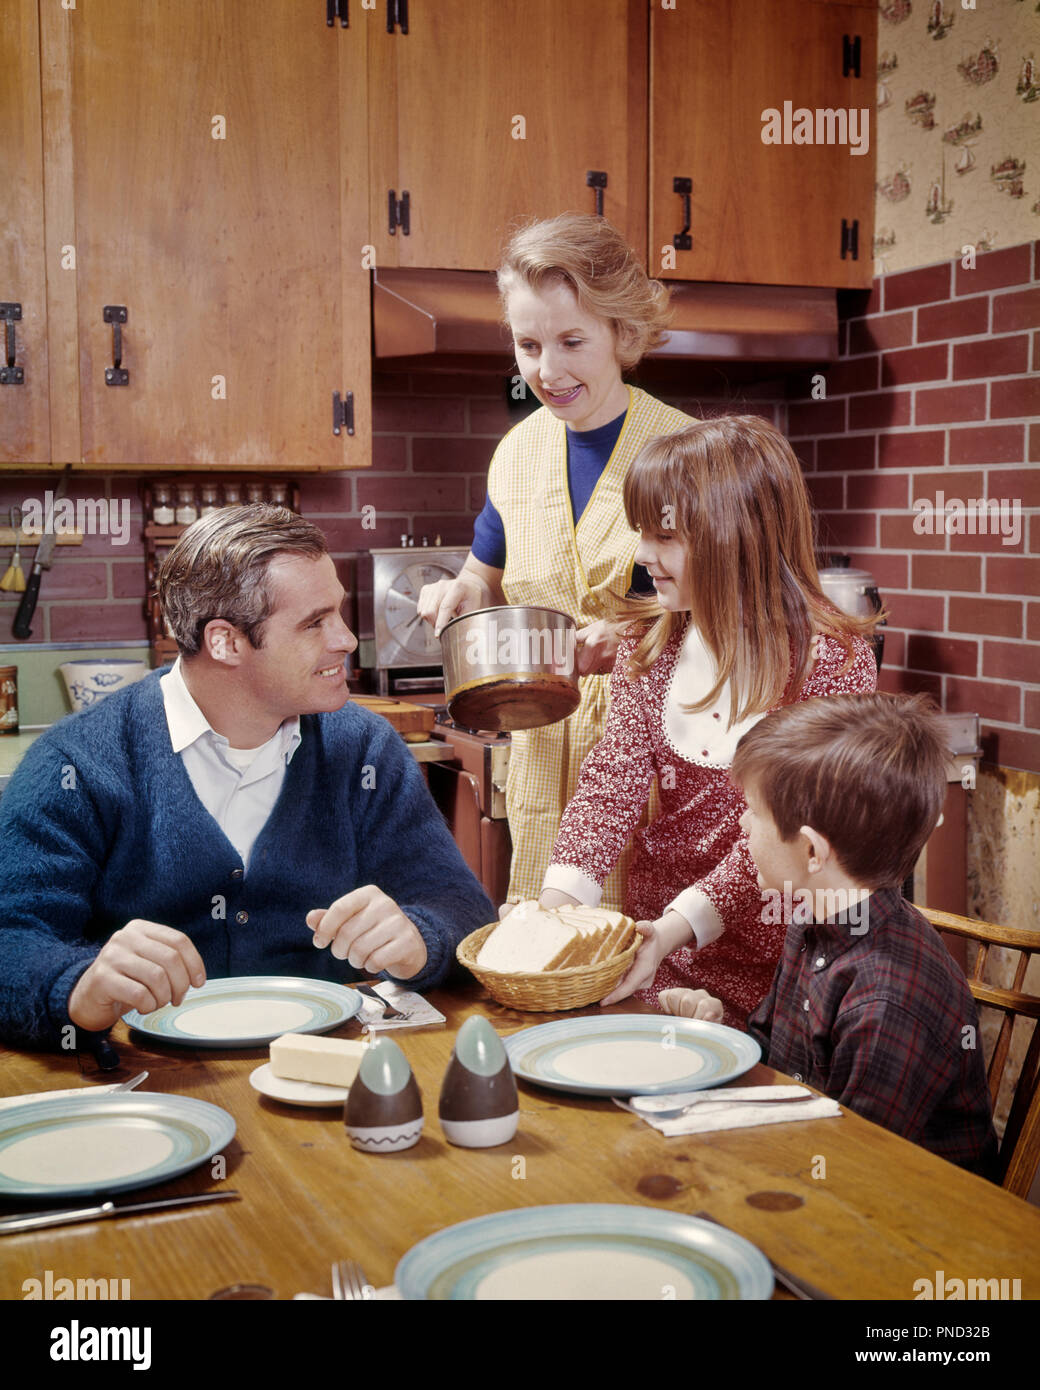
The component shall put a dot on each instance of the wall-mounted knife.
(44, 554)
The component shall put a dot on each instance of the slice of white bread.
(533, 939)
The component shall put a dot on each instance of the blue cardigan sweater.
(101, 824)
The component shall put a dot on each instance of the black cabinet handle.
(116, 375)
(684, 187)
(337, 9)
(10, 373)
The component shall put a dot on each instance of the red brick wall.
(937, 390)
(929, 394)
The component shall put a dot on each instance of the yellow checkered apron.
(582, 570)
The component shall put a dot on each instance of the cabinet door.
(760, 213)
(488, 114)
(24, 420)
(217, 194)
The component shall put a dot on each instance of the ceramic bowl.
(88, 681)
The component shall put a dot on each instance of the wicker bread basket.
(549, 990)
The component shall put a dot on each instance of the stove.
(471, 794)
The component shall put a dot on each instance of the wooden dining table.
(840, 1203)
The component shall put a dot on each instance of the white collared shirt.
(237, 786)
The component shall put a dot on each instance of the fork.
(348, 1280)
(389, 1011)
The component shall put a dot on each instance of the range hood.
(422, 312)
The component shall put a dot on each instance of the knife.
(34, 1220)
(44, 553)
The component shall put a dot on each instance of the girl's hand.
(660, 939)
(691, 1003)
(597, 647)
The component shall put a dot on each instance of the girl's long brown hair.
(732, 491)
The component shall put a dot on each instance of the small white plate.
(295, 1092)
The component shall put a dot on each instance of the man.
(228, 816)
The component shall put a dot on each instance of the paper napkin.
(709, 1115)
(421, 1013)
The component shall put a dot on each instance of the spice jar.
(210, 499)
(162, 505)
(255, 493)
(232, 494)
(187, 511)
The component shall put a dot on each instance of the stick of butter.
(326, 1061)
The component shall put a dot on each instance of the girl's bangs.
(650, 494)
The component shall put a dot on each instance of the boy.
(866, 1005)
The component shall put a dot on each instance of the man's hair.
(594, 260)
(218, 569)
(866, 771)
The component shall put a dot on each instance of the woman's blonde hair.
(732, 492)
(593, 258)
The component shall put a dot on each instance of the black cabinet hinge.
(850, 238)
(337, 9)
(850, 56)
(397, 16)
(399, 213)
(597, 180)
(342, 412)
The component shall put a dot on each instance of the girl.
(739, 627)
(553, 533)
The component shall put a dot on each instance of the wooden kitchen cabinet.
(759, 213)
(446, 94)
(449, 97)
(24, 391)
(205, 168)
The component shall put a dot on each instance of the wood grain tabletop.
(841, 1203)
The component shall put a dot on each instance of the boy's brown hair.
(866, 771)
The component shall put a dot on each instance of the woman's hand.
(475, 586)
(597, 647)
(660, 939)
(440, 602)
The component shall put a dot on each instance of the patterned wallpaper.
(958, 128)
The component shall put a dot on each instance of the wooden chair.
(1020, 1147)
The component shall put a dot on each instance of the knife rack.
(159, 539)
(29, 539)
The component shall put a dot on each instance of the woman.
(553, 533)
(740, 627)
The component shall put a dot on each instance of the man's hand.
(369, 930)
(691, 1003)
(660, 939)
(142, 966)
(597, 647)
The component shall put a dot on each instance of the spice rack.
(183, 500)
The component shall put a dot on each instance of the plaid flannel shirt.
(871, 1009)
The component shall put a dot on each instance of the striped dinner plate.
(630, 1054)
(80, 1145)
(585, 1251)
(249, 1011)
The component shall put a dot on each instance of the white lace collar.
(703, 737)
